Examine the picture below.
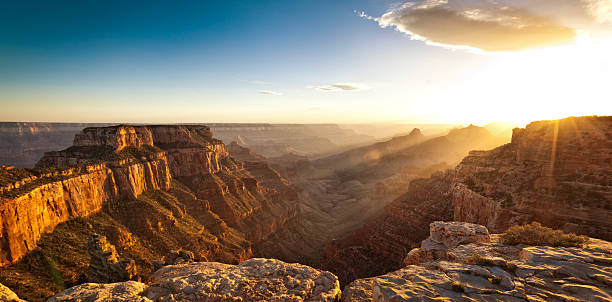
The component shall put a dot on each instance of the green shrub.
(536, 234)
(477, 259)
(54, 273)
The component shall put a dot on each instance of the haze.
(304, 62)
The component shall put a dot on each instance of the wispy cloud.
(500, 25)
(339, 87)
(268, 92)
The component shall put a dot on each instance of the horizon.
(357, 62)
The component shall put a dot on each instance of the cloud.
(268, 92)
(339, 87)
(499, 25)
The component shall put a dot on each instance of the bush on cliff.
(536, 234)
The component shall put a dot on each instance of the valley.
(154, 189)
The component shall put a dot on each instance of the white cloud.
(499, 25)
(340, 87)
(268, 92)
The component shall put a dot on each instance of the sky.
(357, 61)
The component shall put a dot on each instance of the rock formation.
(22, 144)
(554, 172)
(487, 270)
(195, 196)
(558, 173)
(105, 266)
(256, 279)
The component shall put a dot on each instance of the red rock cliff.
(122, 162)
(556, 172)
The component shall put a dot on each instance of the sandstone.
(256, 279)
(94, 292)
(8, 295)
(558, 173)
(497, 273)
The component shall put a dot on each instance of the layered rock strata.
(558, 173)
(492, 271)
(123, 162)
(256, 279)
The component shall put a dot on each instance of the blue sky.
(227, 61)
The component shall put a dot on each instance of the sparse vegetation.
(54, 273)
(536, 234)
(477, 259)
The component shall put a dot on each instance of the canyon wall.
(111, 164)
(556, 172)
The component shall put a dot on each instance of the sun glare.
(549, 83)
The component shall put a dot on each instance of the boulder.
(94, 292)
(443, 237)
(256, 279)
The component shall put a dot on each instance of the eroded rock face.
(558, 173)
(520, 182)
(105, 266)
(492, 271)
(123, 162)
(256, 279)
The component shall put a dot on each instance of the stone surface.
(256, 279)
(7, 295)
(94, 292)
(498, 273)
(444, 236)
(105, 266)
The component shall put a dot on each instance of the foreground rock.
(492, 271)
(256, 279)
(8, 295)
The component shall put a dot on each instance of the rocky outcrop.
(553, 172)
(8, 295)
(123, 162)
(95, 292)
(256, 279)
(492, 271)
(105, 266)
(558, 173)
(444, 236)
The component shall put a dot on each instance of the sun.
(542, 84)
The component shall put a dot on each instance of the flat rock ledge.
(255, 279)
(492, 271)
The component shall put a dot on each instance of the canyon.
(360, 214)
(149, 189)
(22, 144)
(554, 172)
